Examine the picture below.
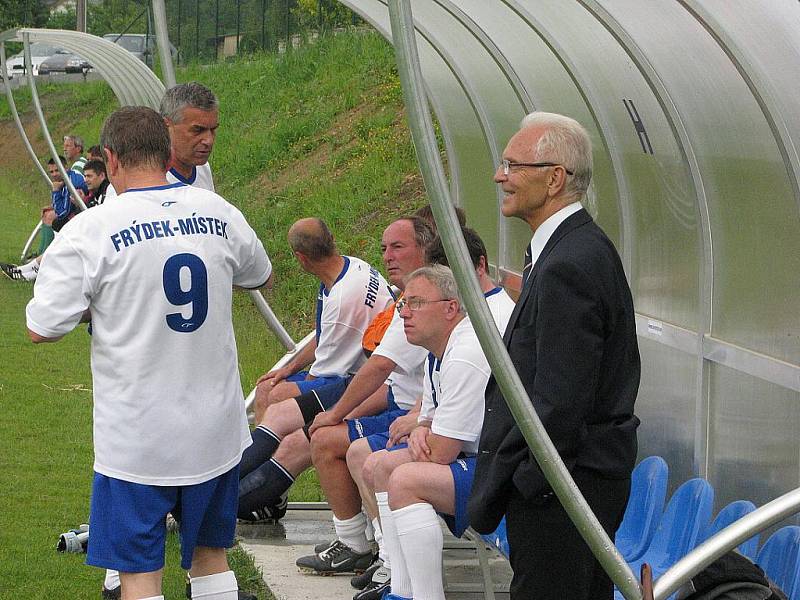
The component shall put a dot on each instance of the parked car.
(64, 62)
(140, 45)
(39, 53)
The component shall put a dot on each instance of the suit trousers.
(550, 559)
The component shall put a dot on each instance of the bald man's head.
(312, 238)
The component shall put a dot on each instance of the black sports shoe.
(336, 558)
(267, 514)
(11, 271)
(321, 546)
(381, 581)
(112, 594)
(359, 582)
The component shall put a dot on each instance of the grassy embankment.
(317, 132)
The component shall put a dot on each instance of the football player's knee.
(296, 444)
(402, 481)
(324, 443)
(368, 469)
(278, 417)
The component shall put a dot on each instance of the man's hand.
(401, 427)
(57, 185)
(48, 216)
(275, 376)
(323, 419)
(418, 443)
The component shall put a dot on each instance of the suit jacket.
(572, 339)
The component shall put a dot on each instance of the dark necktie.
(528, 265)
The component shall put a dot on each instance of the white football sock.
(154, 598)
(112, 579)
(30, 270)
(376, 526)
(369, 531)
(421, 540)
(352, 532)
(220, 586)
(401, 583)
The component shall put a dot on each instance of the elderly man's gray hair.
(76, 139)
(442, 279)
(186, 95)
(567, 143)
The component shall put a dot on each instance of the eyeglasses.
(508, 165)
(416, 303)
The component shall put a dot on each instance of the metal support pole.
(272, 321)
(178, 32)
(162, 39)
(238, 23)
(547, 456)
(197, 29)
(216, 31)
(80, 15)
(26, 46)
(726, 540)
(12, 105)
(263, 25)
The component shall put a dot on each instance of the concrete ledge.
(275, 547)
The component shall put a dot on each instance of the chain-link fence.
(210, 30)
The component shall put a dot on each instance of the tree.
(22, 13)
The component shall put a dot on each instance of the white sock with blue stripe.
(421, 539)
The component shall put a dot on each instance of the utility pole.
(80, 11)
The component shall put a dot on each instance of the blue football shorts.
(127, 521)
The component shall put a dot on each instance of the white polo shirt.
(453, 392)
(343, 314)
(406, 379)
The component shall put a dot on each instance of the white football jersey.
(343, 313)
(156, 270)
(200, 177)
(406, 379)
(453, 392)
(501, 306)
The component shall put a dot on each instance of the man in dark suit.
(572, 339)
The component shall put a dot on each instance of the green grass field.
(319, 131)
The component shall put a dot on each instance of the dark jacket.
(572, 339)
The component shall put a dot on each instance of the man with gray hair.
(158, 270)
(432, 473)
(191, 112)
(572, 339)
(73, 152)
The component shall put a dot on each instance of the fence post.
(216, 31)
(196, 29)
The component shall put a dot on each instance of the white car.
(39, 52)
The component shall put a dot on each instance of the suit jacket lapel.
(573, 221)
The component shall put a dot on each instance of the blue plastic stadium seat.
(645, 506)
(728, 515)
(499, 538)
(687, 515)
(780, 559)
